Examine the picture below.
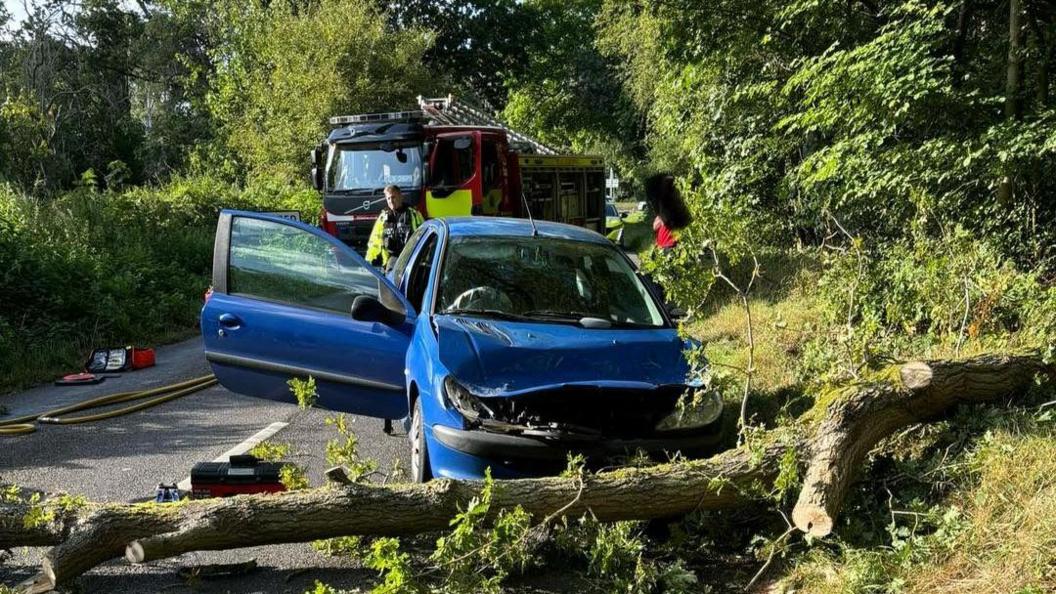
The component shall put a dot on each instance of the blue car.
(499, 343)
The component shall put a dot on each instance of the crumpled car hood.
(502, 358)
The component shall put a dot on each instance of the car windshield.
(374, 166)
(610, 211)
(544, 279)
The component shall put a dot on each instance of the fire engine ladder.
(452, 112)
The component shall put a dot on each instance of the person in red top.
(671, 211)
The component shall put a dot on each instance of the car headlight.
(695, 410)
(463, 401)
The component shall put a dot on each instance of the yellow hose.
(25, 424)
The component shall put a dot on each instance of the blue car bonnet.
(504, 358)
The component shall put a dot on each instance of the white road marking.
(242, 448)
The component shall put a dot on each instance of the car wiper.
(492, 313)
(584, 319)
(616, 324)
(352, 191)
(572, 316)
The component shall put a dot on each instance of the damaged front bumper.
(604, 422)
(511, 448)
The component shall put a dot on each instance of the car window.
(419, 275)
(400, 267)
(277, 262)
(610, 211)
(544, 278)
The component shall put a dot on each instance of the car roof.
(482, 226)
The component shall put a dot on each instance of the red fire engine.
(449, 158)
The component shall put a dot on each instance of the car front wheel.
(419, 454)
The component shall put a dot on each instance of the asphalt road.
(124, 458)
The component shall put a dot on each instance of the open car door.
(453, 183)
(289, 300)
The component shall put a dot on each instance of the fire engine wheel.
(420, 471)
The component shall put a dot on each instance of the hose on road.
(26, 424)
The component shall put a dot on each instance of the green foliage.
(788, 477)
(565, 92)
(576, 466)
(480, 551)
(10, 494)
(342, 451)
(965, 519)
(78, 271)
(342, 546)
(293, 477)
(304, 391)
(617, 558)
(270, 452)
(479, 46)
(321, 588)
(282, 71)
(38, 513)
(475, 557)
(86, 85)
(394, 566)
(925, 297)
(778, 115)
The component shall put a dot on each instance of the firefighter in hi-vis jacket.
(392, 229)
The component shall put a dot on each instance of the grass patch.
(958, 507)
(637, 231)
(994, 533)
(785, 317)
(89, 269)
(780, 330)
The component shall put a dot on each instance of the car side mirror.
(623, 215)
(367, 308)
(316, 157)
(317, 179)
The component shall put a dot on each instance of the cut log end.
(916, 375)
(134, 552)
(42, 582)
(812, 519)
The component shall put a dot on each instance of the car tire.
(420, 471)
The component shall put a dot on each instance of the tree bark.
(85, 536)
(88, 536)
(857, 420)
(964, 17)
(1013, 76)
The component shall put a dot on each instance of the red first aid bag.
(119, 359)
(142, 358)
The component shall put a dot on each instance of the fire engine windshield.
(370, 167)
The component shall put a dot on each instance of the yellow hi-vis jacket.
(376, 242)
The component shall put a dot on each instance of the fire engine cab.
(449, 158)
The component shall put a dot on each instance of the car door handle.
(230, 321)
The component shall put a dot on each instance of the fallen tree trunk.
(860, 416)
(89, 534)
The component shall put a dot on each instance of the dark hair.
(662, 195)
(393, 188)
